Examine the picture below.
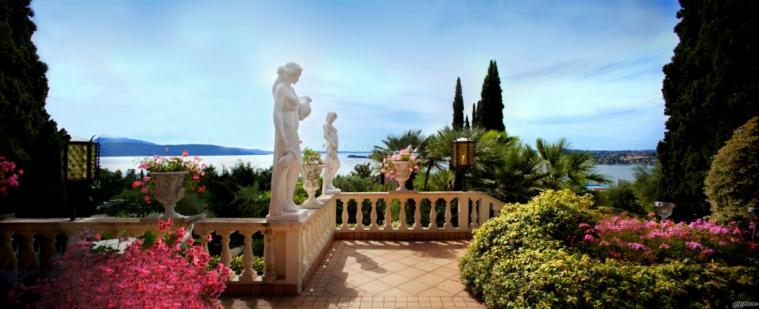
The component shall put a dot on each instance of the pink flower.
(584, 225)
(136, 184)
(604, 243)
(636, 246)
(185, 153)
(664, 246)
(693, 245)
(144, 190)
(589, 237)
(167, 274)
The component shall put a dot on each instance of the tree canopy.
(710, 88)
(27, 134)
(458, 107)
(490, 107)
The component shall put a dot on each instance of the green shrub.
(526, 257)
(732, 184)
(646, 185)
(362, 170)
(237, 264)
(354, 183)
(191, 204)
(622, 196)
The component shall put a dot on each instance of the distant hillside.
(124, 147)
(609, 157)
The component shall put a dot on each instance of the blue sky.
(201, 71)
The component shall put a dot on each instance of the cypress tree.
(475, 120)
(466, 123)
(710, 88)
(27, 134)
(458, 107)
(490, 108)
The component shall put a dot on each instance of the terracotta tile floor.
(380, 274)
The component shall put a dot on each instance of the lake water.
(615, 172)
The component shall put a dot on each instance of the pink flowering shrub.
(407, 154)
(9, 175)
(648, 241)
(170, 271)
(173, 164)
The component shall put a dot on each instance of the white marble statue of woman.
(332, 163)
(289, 110)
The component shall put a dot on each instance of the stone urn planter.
(169, 189)
(664, 209)
(311, 183)
(402, 174)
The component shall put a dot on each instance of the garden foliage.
(532, 255)
(732, 185)
(168, 271)
(710, 88)
(28, 136)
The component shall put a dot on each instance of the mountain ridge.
(127, 147)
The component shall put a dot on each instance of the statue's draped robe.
(333, 162)
(288, 111)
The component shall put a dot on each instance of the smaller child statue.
(332, 163)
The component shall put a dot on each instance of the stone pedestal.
(288, 217)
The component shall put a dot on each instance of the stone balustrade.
(291, 251)
(448, 215)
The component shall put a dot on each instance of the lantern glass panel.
(77, 161)
(470, 153)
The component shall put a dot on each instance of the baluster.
(27, 257)
(226, 255)
(388, 216)
(484, 210)
(402, 214)
(359, 215)
(203, 238)
(270, 268)
(248, 273)
(373, 215)
(447, 225)
(7, 255)
(417, 214)
(47, 250)
(344, 226)
(475, 214)
(463, 211)
(433, 215)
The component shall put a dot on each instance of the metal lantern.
(82, 159)
(462, 158)
(81, 162)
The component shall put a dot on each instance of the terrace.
(335, 256)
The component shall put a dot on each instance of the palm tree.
(505, 168)
(393, 143)
(518, 177)
(564, 168)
